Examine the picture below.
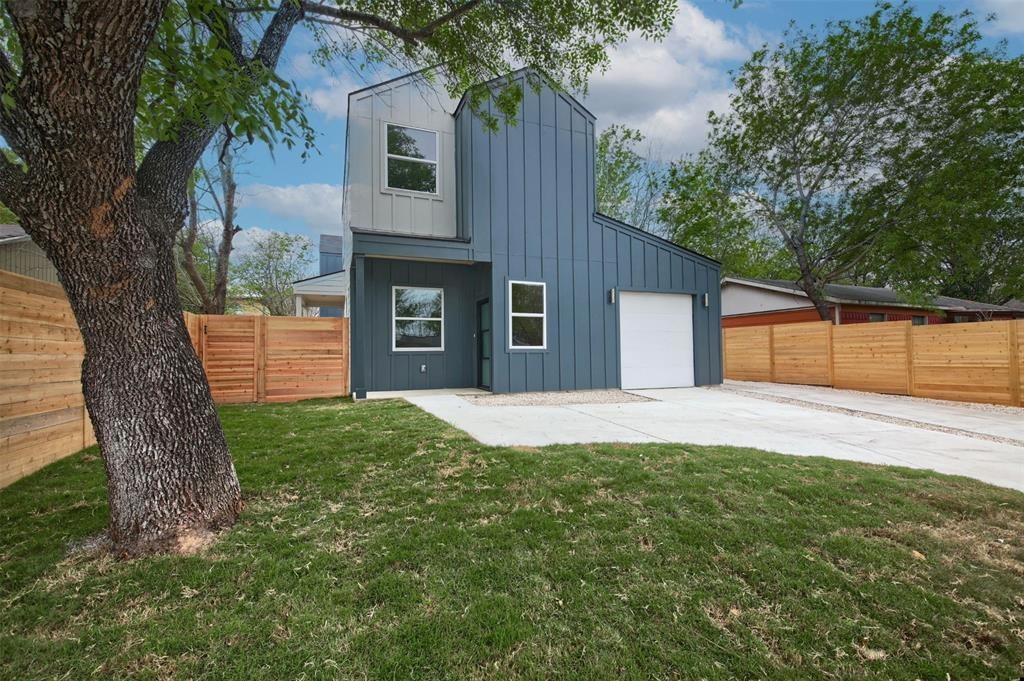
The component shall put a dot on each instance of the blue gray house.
(478, 258)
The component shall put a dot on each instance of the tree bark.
(169, 471)
(809, 282)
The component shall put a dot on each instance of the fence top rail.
(25, 284)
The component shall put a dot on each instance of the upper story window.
(411, 159)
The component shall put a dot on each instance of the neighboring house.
(478, 258)
(750, 302)
(328, 291)
(19, 254)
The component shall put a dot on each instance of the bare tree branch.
(187, 243)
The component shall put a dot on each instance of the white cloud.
(318, 205)
(666, 89)
(299, 66)
(1009, 15)
(330, 97)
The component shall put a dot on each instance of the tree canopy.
(628, 180)
(874, 146)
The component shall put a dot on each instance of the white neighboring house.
(19, 254)
(322, 291)
(325, 295)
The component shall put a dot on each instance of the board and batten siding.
(527, 201)
(375, 365)
(370, 205)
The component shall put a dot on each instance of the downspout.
(839, 316)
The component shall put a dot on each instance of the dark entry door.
(483, 343)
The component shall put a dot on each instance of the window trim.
(394, 319)
(388, 156)
(542, 315)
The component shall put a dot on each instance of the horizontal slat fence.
(247, 359)
(42, 411)
(977, 362)
(271, 359)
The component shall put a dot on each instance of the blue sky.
(663, 89)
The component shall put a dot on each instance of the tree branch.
(410, 35)
(8, 74)
(187, 243)
(223, 26)
(167, 165)
(13, 185)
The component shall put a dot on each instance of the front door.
(483, 343)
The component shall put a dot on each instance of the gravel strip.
(551, 399)
(874, 416)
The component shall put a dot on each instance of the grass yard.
(379, 542)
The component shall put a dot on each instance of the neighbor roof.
(1015, 304)
(12, 233)
(869, 295)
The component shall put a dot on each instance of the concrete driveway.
(986, 443)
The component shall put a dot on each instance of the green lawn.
(379, 542)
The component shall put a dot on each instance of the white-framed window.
(410, 159)
(417, 319)
(527, 315)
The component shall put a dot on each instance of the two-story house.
(478, 258)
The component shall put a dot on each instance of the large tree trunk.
(109, 230)
(169, 472)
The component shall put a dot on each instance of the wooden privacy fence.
(977, 362)
(247, 359)
(271, 359)
(42, 411)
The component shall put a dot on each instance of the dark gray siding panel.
(528, 205)
(375, 366)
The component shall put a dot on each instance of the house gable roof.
(10, 234)
(867, 295)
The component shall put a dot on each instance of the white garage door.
(656, 340)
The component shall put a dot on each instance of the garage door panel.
(656, 340)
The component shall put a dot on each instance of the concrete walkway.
(717, 416)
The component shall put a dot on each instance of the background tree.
(628, 183)
(205, 260)
(265, 272)
(109, 105)
(858, 146)
(700, 212)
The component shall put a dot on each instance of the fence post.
(202, 340)
(771, 353)
(910, 357)
(259, 358)
(1015, 368)
(831, 358)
